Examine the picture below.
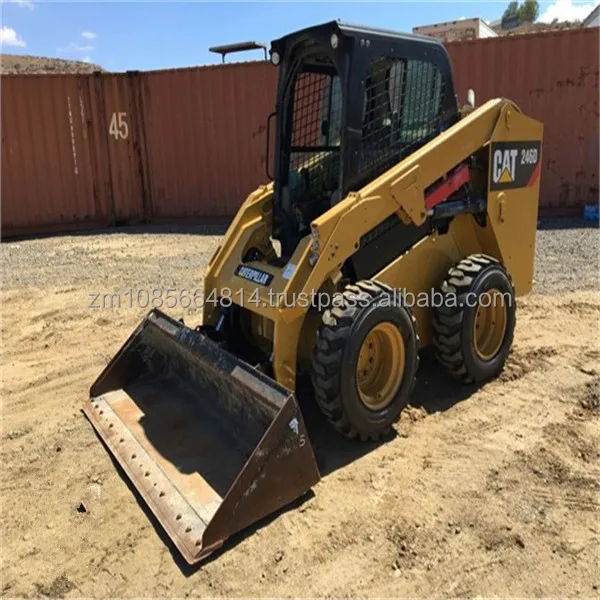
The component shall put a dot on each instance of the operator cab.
(351, 103)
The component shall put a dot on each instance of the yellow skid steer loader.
(383, 191)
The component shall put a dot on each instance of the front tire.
(472, 340)
(365, 360)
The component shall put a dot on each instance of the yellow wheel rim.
(489, 327)
(380, 366)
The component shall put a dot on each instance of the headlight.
(275, 58)
(334, 40)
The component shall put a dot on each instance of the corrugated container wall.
(118, 136)
(89, 151)
(206, 137)
(50, 178)
(552, 77)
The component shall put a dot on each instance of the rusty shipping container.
(119, 144)
(205, 134)
(94, 150)
(49, 166)
(552, 77)
(190, 144)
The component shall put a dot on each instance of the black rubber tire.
(335, 357)
(453, 321)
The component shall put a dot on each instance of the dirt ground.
(489, 491)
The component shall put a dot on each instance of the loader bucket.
(211, 444)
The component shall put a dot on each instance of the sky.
(146, 35)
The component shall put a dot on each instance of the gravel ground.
(156, 256)
(567, 254)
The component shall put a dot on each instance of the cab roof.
(353, 31)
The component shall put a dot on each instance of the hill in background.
(15, 63)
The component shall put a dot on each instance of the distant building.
(462, 29)
(593, 19)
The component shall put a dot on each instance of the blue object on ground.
(591, 212)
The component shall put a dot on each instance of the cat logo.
(514, 164)
(505, 164)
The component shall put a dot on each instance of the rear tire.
(472, 341)
(365, 360)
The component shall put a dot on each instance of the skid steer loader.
(381, 184)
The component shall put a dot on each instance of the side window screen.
(309, 90)
(316, 128)
(421, 107)
(402, 105)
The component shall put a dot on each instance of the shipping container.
(118, 134)
(190, 144)
(552, 77)
(49, 176)
(206, 142)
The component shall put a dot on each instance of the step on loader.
(383, 191)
